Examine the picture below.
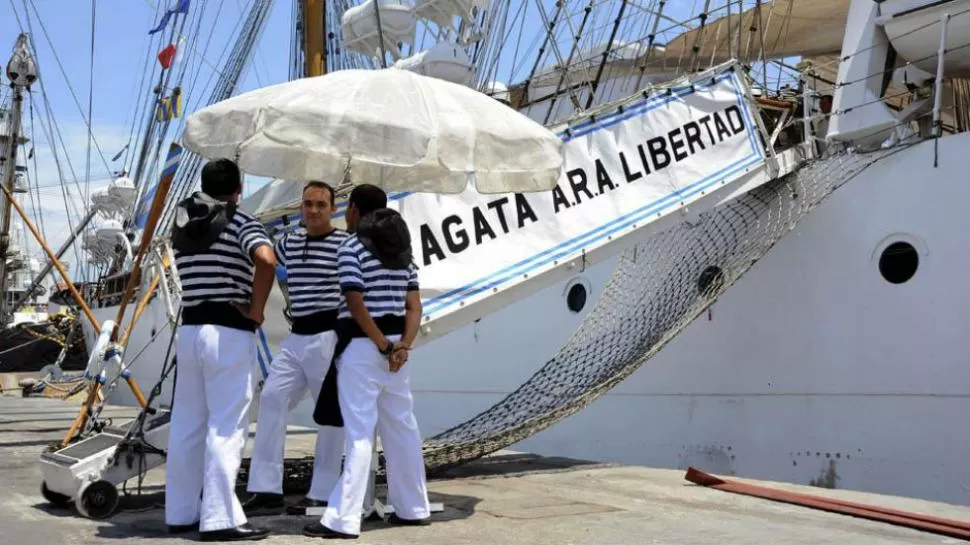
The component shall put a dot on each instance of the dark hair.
(367, 198)
(322, 185)
(221, 178)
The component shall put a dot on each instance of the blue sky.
(121, 43)
(120, 48)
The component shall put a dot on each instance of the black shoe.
(394, 519)
(183, 528)
(243, 532)
(319, 530)
(263, 504)
(300, 507)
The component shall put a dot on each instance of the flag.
(181, 7)
(166, 55)
(169, 107)
(179, 49)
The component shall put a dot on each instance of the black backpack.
(199, 220)
(385, 234)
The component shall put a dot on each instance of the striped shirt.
(310, 263)
(224, 272)
(385, 290)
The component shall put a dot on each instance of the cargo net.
(658, 287)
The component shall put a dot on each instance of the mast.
(314, 39)
(22, 72)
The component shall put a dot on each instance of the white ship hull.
(811, 369)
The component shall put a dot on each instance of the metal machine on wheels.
(87, 472)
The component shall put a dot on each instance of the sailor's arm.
(256, 242)
(412, 309)
(352, 285)
(412, 320)
(279, 250)
(263, 278)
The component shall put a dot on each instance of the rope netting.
(658, 287)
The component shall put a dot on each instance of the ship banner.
(622, 170)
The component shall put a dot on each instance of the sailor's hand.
(248, 312)
(398, 357)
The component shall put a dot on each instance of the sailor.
(226, 266)
(309, 258)
(378, 321)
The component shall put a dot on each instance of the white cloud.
(53, 197)
(46, 183)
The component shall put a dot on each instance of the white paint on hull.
(810, 368)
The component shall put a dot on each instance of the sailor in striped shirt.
(226, 266)
(309, 258)
(378, 322)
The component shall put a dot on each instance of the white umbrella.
(393, 128)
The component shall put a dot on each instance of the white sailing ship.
(792, 290)
(20, 266)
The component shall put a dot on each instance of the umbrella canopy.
(393, 128)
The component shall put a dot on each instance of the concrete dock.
(507, 498)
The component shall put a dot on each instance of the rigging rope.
(77, 102)
(239, 58)
(87, 167)
(658, 287)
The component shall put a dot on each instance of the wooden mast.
(314, 38)
(22, 73)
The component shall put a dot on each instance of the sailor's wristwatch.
(388, 348)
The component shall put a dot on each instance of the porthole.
(576, 294)
(898, 262)
(576, 298)
(710, 281)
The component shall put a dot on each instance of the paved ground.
(508, 498)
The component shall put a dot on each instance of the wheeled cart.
(89, 470)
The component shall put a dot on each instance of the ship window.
(576, 297)
(898, 262)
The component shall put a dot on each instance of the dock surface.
(507, 498)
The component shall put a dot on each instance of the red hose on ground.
(926, 523)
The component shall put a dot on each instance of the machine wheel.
(97, 500)
(56, 499)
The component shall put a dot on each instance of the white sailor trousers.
(302, 362)
(210, 423)
(370, 396)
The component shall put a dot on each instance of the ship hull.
(812, 368)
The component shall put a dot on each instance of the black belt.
(217, 313)
(327, 410)
(318, 322)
